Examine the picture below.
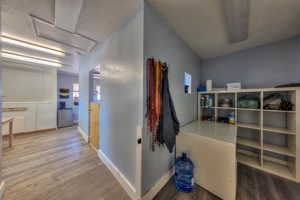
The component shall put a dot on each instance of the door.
(94, 131)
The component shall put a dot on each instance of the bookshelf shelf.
(225, 108)
(279, 130)
(280, 111)
(248, 125)
(279, 150)
(247, 142)
(248, 109)
(248, 160)
(256, 126)
(278, 169)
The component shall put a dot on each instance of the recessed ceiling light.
(30, 59)
(37, 47)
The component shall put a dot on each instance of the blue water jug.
(184, 173)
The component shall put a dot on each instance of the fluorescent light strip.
(31, 46)
(34, 57)
(28, 59)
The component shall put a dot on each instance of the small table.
(10, 121)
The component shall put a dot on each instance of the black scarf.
(168, 126)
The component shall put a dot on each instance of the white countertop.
(218, 131)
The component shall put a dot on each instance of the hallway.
(56, 165)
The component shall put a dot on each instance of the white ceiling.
(41, 8)
(34, 21)
(202, 24)
(99, 17)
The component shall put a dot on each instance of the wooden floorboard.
(252, 185)
(60, 165)
(56, 165)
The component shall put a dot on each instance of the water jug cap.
(184, 154)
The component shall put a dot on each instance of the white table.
(10, 121)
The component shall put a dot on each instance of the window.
(187, 83)
(75, 93)
(98, 97)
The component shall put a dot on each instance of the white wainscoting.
(46, 115)
(37, 116)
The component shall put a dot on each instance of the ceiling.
(202, 23)
(72, 26)
(77, 26)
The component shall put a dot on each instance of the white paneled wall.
(45, 117)
(34, 88)
(18, 126)
(28, 116)
(38, 116)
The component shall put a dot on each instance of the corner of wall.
(120, 156)
(150, 194)
(83, 134)
(126, 185)
(161, 41)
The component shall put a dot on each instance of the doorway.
(94, 108)
(94, 125)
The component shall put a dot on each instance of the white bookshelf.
(267, 140)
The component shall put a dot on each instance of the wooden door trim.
(94, 123)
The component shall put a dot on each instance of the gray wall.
(121, 99)
(261, 67)
(162, 43)
(65, 80)
(265, 66)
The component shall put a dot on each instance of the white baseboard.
(127, 186)
(158, 185)
(83, 134)
(2, 189)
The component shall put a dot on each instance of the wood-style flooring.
(59, 165)
(252, 185)
(56, 165)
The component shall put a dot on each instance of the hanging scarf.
(162, 121)
(150, 103)
(168, 125)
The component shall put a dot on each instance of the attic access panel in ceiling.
(50, 32)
